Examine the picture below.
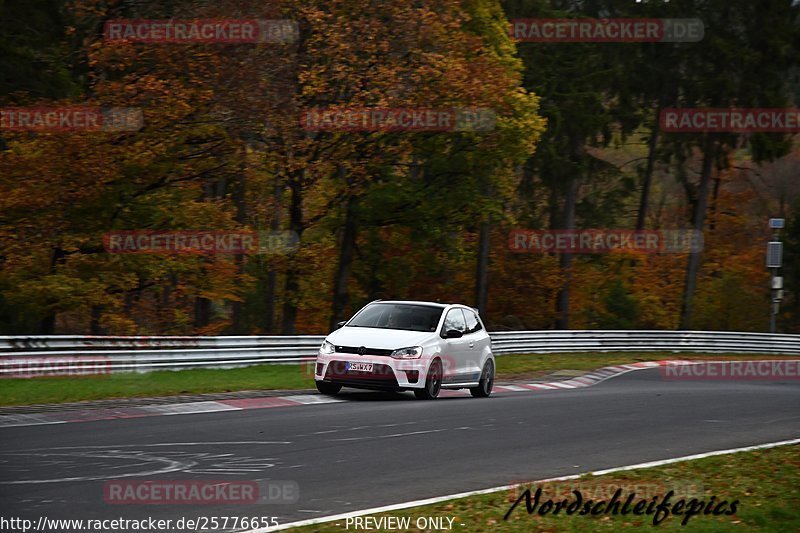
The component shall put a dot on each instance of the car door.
(477, 343)
(455, 351)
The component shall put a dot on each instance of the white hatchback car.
(407, 345)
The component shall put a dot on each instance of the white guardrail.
(74, 354)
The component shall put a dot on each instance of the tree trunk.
(482, 274)
(565, 262)
(341, 296)
(202, 312)
(268, 320)
(644, 200)
(698, 223)
(94, 323)
(164, 303)
(484, 245)
(270, 291)
(239, 191)
(712, 221)
(553, 209)
(570, 202)
(47, 326)
(290, 289)
(292, 283)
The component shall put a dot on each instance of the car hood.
(387, 339)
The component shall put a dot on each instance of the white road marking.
(395, 435)
(357, 428)
(110, 446)
(190, 408)
(515, 388)
(10, 421)
(652, 464)
(171, 466)
(439, 499)
(308, 399)
(174, 461)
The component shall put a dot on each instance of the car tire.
(328, 389)
(484, 388)
(433, 383)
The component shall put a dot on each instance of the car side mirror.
(453, 334)
(340, 324)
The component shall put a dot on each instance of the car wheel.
(329, 389)
(484, 388)
(433, 383)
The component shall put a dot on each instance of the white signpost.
(774, 262)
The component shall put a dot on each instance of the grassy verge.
(766, 484)
(163, 383)
(160, 383)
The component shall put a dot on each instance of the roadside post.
(774, 260)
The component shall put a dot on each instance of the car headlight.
(413, 352)
(326, 348)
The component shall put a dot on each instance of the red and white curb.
(586, 380)
(92, 415)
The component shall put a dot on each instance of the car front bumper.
(387, 373)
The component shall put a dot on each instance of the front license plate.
(358, 367)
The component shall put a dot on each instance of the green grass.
(160, 383)
(163, 383)
(766, 483)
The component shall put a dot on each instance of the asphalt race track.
(377, 449)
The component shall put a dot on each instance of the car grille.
(369, 351)
(381, 377)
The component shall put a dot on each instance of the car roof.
(411, 302)
(420, 302)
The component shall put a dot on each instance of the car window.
(473, 324)
(455, 320)
(398, 316)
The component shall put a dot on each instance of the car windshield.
(398, 316)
